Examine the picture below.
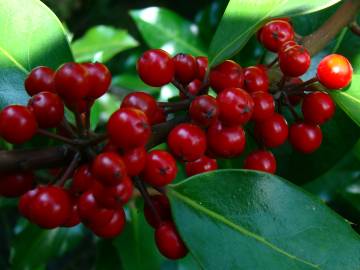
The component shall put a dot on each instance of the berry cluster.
(104, 168)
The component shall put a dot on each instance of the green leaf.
(136, 245)
(31, 35)
(101, 43)
(107, 256)
(349, 99)
(238, 219)
(34, 247)
(242, 18)
(132, 82)
(162, 28)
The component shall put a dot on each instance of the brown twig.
(355, 27)
(56, 136)
(69, 170)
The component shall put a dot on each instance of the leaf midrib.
(175, 37)
(115, 45)
(239, 228)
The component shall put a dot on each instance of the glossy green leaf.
(162, 28)
(33, 246)
(238, 219)
(107, 256)
(349, 99)
(101, 43)
(243, 17)
(128, 82)
(136, 245)
(30, 35)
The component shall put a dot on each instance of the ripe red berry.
(273, 132)
(193, 88)
(134, 160)
(50, 208)
(128, 128)
(116, 196)
(109, 168)
(203, 164)
(142, 101)
(317, 108)
(155, 67)
(79, 106)
(286, 45)
(226, 141)
(235, 106)
(264, 106)
(82, 180)
(169, 241)
(294, 61)
(25, 202)
(47, 108)
(202, 66)
(294, 99)
(17, 124)
(15, 184)
(334, 71)
(275, 33)
(187, 141)
(40, 79)
(114, 227)
(260, 160)
(226, 75)
(90, 213)
(99, 78)
(255, 79)
(185, 68)
(204, 110)
(162, 207)
(73, 218)
(159, 117)
(305, 138)
(160, 168)
(71, 81)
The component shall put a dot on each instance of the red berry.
(294, 99)
(50, 208)
(109, 168)
(73, 218)
(25, 202)
(99, 78)
(128, 128)
(169, 241)
(334, 71)
(134, 160)
(82, 180)
(235, 105)
(71, 81)
(294, 61)
(15, 184)
(255, 79)
(193, 88)
(159, 116)
(273, 131)
(17, 124)
(305, 138)
(90, 213)
(275, 33)
(226, 141)
(48, 109)
(79, 106)
(317, 108)
(187, 141)
(226, 75)
(286, 45)
(204, 110)
(264, 106)
(202, 65)
(203, 164)
(261, 160)
(40, 79)
(155, 67)
(114, 227)
(142, 101)
(115, 197)
(162, 207)
(160, 168)
(185, 68)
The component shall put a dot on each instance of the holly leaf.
(101, 43)
(242, 18)
(239, 219)
(31, 35)
(162, 28)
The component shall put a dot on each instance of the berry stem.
(66, 125)
(144, 193)
(79, 124)
(291, 107)
(273, 62)
(182, 89)
(69, 170)
(56, 136)
(87, 120)
(303, 85)
(355, 27)
(179, 105)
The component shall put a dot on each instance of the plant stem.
(355, 27)
(70, 170)
(302, 85)
(56, 136)
(182, 89)
(273, 62)
(66, 125)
